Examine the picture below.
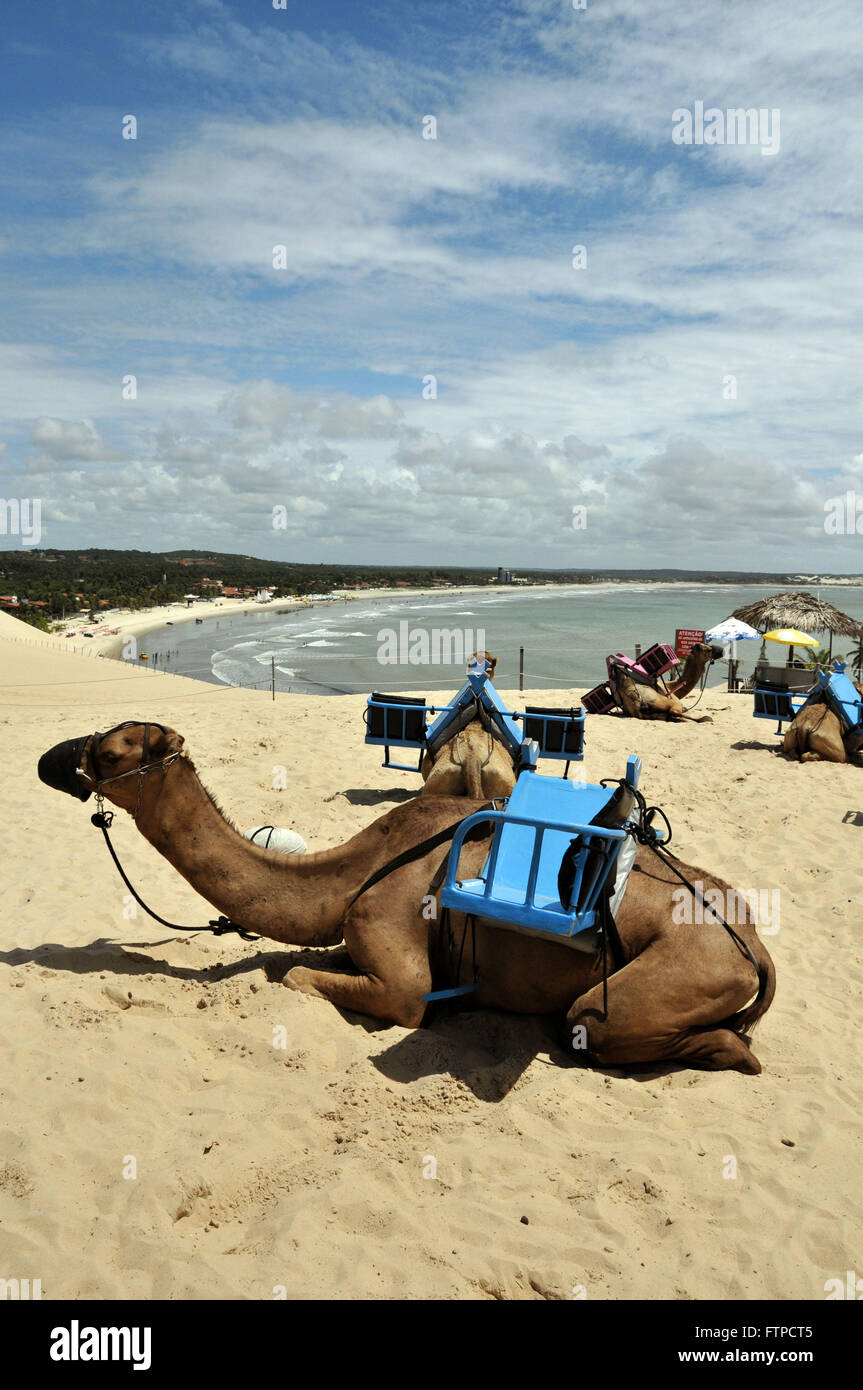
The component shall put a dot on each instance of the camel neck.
(287, 897)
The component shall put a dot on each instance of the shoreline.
(142, 622)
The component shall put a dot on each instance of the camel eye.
(111, 757)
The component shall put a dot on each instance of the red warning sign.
(685, 639)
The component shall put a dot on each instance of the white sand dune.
(304, 1169)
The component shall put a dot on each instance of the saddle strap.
(408, 856)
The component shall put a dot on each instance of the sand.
(154, 1143)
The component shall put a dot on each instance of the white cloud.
(426, 497)
(452, 257)
(68, 439)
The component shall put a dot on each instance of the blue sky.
(605, 386)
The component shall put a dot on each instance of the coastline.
(667, 603)
(141, 622)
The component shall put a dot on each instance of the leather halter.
(95, 744)
(103, 820)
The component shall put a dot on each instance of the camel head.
(706, 651)
(106, 763)
(490, 662)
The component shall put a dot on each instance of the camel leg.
(648, 1022)
(395, 1002)
(391, 962)
(826, 750)
(339, 955)
(717, 1049)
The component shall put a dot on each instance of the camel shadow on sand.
(489, 1053)
(364, 796)
(121, 959)
(485, 1050)
(374, 796)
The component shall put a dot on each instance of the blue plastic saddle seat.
(775, 701)
(839, 693)
(401, 721)
(559, 733)
(844, 699)
(533, 835)
(396, 719)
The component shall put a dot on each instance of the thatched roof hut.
(800, 610)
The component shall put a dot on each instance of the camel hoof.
(300, 979)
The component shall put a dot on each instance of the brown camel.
(700, 655)
(490, 662)
(815, 735)
(676, 992)
(474, 762)
(643, 702)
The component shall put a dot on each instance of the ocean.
(338, 648)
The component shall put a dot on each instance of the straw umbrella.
(800, 610)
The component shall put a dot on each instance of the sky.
(428, 372)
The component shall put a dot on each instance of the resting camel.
(643, 702)
(815, 735)
(700, 655)
(674, 991)
(474, 762)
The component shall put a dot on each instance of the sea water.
(336, 648)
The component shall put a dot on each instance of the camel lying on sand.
(815, 735)
(675, 992)
(643, 702)
(474, 762)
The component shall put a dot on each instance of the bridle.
(94, 745)
(102, 819)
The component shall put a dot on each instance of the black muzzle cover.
(58, 767)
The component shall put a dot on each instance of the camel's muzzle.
(58, 767)
(716, 653)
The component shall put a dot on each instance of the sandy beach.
(156, 1144)
(125, 623)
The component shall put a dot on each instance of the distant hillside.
(44, 584)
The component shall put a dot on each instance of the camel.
(474, 762)
(699, 657)
(815, 735)
(490, 662)
(674, 992)
(643, 702)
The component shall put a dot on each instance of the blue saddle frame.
(840, 695)
(518, 885)
(771, 702)
(554, 734)
(392, 715)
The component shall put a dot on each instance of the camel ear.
(164, 742)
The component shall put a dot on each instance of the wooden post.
(521, 668)
(273, 674)
(638, 651)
